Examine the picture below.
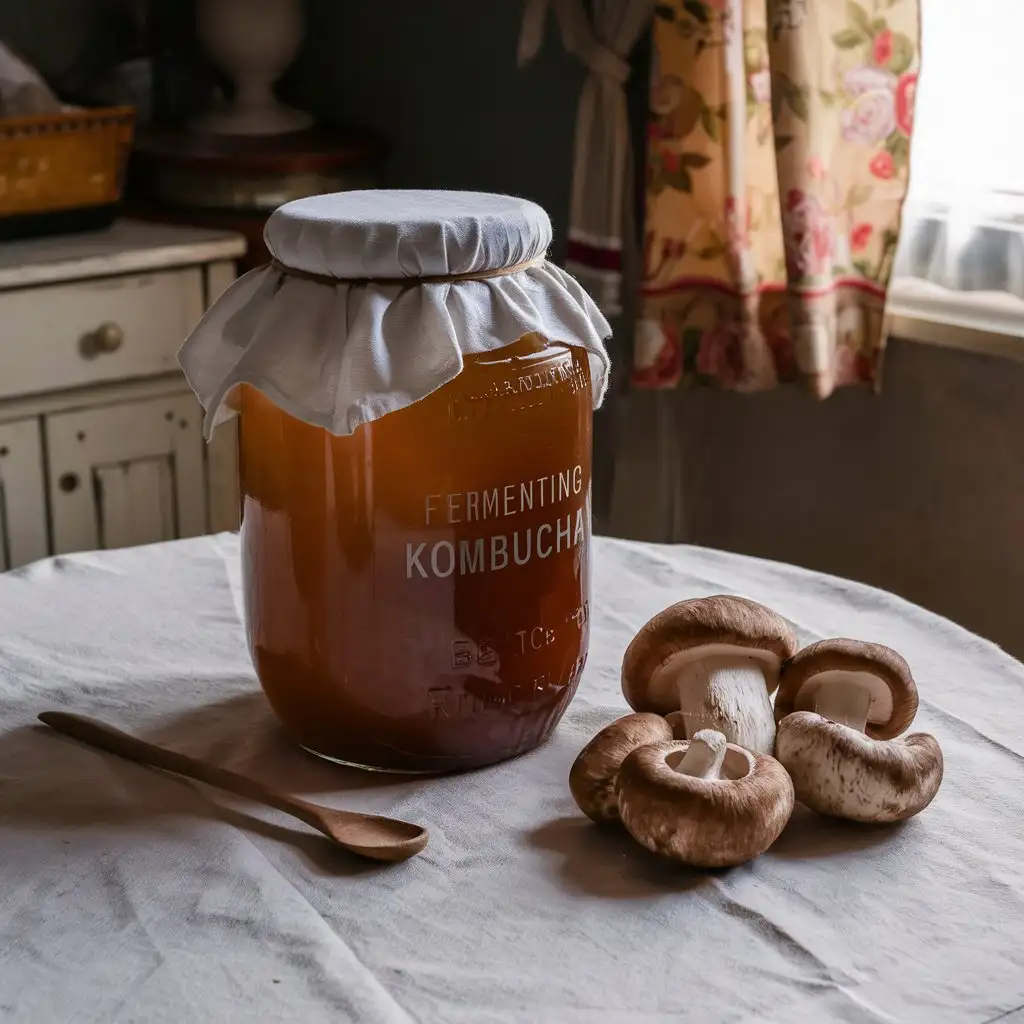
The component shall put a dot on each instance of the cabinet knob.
(108, 337)
(69, 482)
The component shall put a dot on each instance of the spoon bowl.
(371, 835)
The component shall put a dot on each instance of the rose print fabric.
(778, 155)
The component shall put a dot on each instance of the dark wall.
(918, 490)
(72, 43)
(440, 81)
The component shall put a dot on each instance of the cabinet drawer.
(85, 332)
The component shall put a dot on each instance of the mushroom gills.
(722, 690)
(847, 698)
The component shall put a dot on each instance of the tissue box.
(63, 172)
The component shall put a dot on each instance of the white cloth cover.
(341, 354)
(131, 896)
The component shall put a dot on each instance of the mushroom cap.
(707, 823)
(593, 773)
(719, 626)
(893, 690)
(842, 772)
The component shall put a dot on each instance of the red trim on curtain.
(683, 283)
(594, 256)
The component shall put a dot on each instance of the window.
(969, 140)
(963, 226)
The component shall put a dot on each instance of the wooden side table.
(235, 183)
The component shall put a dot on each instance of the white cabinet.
(100, 436)
(22, 494)
(126, 474)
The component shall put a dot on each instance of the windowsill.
(991, 323)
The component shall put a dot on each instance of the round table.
(130, 895)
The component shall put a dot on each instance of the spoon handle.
(106, 737)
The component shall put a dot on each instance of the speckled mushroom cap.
(594, 772)
(844, 773)
(893, 691)
(705, 626)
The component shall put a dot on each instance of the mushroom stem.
(845, 703)
(729, 695)
(704, 756)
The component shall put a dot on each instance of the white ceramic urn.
(253, 42)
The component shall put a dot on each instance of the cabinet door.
(127, 474)
(22, 494)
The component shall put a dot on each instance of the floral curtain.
(777, 165)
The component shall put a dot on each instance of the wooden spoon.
(368, 835)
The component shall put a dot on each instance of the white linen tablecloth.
(131, 895)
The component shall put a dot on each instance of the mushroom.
(867, 687)
(841, 772)
(840, 706)
(715, 660)
(593, 773)
(705, 802)
(677, 723)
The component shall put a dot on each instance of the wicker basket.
(63, 172)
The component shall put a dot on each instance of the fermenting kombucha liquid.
(416, 593)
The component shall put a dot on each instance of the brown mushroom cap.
(593, 773)
(841, 772)
(705, 626)
(677, 722)
(708, 823)
(893, 691)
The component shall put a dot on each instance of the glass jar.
(416, 592)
